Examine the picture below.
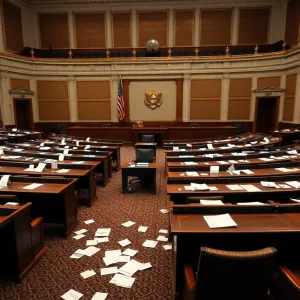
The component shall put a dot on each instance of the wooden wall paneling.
(126, 83)
(205, 109)
(292, 22)
(12, 25)
(268, 81)
(16, 83)
(153, 25)
(254, 25)
(206, 88)
(121, 29)
(54, 30)
(90, 30)
(93, 100)
(184, 28)
(240, 87)
(239, 109)
(289, 99)
(215, 27)
(179, 99)
(53, 100)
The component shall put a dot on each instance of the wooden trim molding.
(179, 99)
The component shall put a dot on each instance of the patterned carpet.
(56, 272)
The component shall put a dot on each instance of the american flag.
(120, 101)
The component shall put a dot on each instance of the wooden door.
(23, 114)
(266, 114)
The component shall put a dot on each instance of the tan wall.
(289, 98)
(152, 25)
(205, 99)
(292, 22)
(268, 81)
(93, 100)
(121, 29)
(239, 99)
(254, 26)
(12, 23)
(184, 28)
(19, 83)
(54, 30)
(215, 27)
(53, 100)
(90, 30)
(140, 111)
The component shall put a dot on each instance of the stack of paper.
(250, 188)
(122, 280)
(234, 187)
(219, 221)
(270, 184)
(199, 187)
(211, 202)
(193, 174)
(130, 268)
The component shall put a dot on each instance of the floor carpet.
(56, 272)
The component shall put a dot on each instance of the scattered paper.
(113, 253)
(103, 232)
(122, 280)
(87, 274)
(123, 258)
(99, 296)
(124, 243)
(130, 268)
(167, 247)
(89, 221)
(145, 266)
(128, 224)
(72, 295)
(164, 211)
(91, 250)
(165, 231)
(79, 236)
(110, 260)
(219, 221)
(143, 229)
(162, 238)
(130, 252)
(294, 184)
(150, 244)
(107, 271)
(102, 240)
(63, 171)
(91, 243)
(77, 254)
(295, 200)
(80, 231)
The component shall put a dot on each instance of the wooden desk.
(17, 253)
(85, 175)
(253, 231)
(287, 135)
(148, 172)
(55, 200)
(179, 195)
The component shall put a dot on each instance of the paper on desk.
(99, 296)
(194, 174)
(214, 169)
(210, 146)
(219, 221)
(72, 295)
(294, 184)
(250, 188)
(87, 139)
(130, 252)
(190, 163)
(40, 168)
(61, 157)
(88, 273)
(233, 161)
(63, 171)
(270, 184)
(199, 186)
(162, 238)
(124, 243)
(18, 150)
(189, 145)
(4, 181)
(292, 152)
(122, 280)
(295, 200)
(66, 152)
(77, 162)
(251, 203)
(128, 224)
(103, 146)
(130, 268)
(234, 187)
(32, 186)
(211, 202)
(222, 162)
(246, 171)
(143, 229)
(107, 271)
(12, 203)
(150, 244)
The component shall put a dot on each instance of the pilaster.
(296, 118)
(72, 99)
(35, 104)
(281, 103)
(171, 28)
(197, 27)
(278, 22)
(235, 26)
(134, 28)
(6, 106)
(72, 43)
(113, 101)
(108, 29)
(186, 98)
(2, 42)
(225, 97)
(253, 98)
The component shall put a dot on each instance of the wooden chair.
(286, 284)
(230, 275)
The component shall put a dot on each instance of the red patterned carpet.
(56, 272)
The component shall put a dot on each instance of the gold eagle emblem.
(153, 98)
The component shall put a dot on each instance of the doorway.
(23, 114)
(266, 114)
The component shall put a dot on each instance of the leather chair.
(286, 284)
(147, 138)
(233, 275)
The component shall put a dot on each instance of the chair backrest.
(147, 138)
(144, 155)
(234, 275)
(8, 198)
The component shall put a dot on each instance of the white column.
(278, 22)
(186, 98)
(72, 99)
(113, 101)
(6, 106)
(134, 29)
(36, 30)
(281, 103)
(296, 118)
(171, 28)
(235, 26)
(26, 27)
(197, 27)
(108, 30)
(225, 97)
(253, 98)
(71, 30)
(2, 43)
(35, 105)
